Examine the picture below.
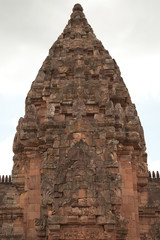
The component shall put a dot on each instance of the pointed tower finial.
(77, 7)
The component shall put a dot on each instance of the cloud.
(6, 162)
(153, 165)
(142, 77)
(14, 122)
(19, 71)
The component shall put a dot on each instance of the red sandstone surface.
(80, 166)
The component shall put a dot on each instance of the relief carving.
(40, 224)
(79, 108)
(7, 229)
(71, 190)
(155, 231)
(142, 168)
(146, 236)
(18, 167)
(83, 233)
(50, 110)
(40, 227)
(47, 190)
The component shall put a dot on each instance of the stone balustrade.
(5, 179)
(8, 178)
(154, 174)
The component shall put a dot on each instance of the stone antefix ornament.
(80, 169)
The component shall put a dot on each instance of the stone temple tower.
(80, 169)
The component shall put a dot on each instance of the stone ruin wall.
(149, 213)
(80, 166)
(11, 215)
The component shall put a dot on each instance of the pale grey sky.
(129, 29)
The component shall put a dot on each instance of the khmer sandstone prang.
(80, 167)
